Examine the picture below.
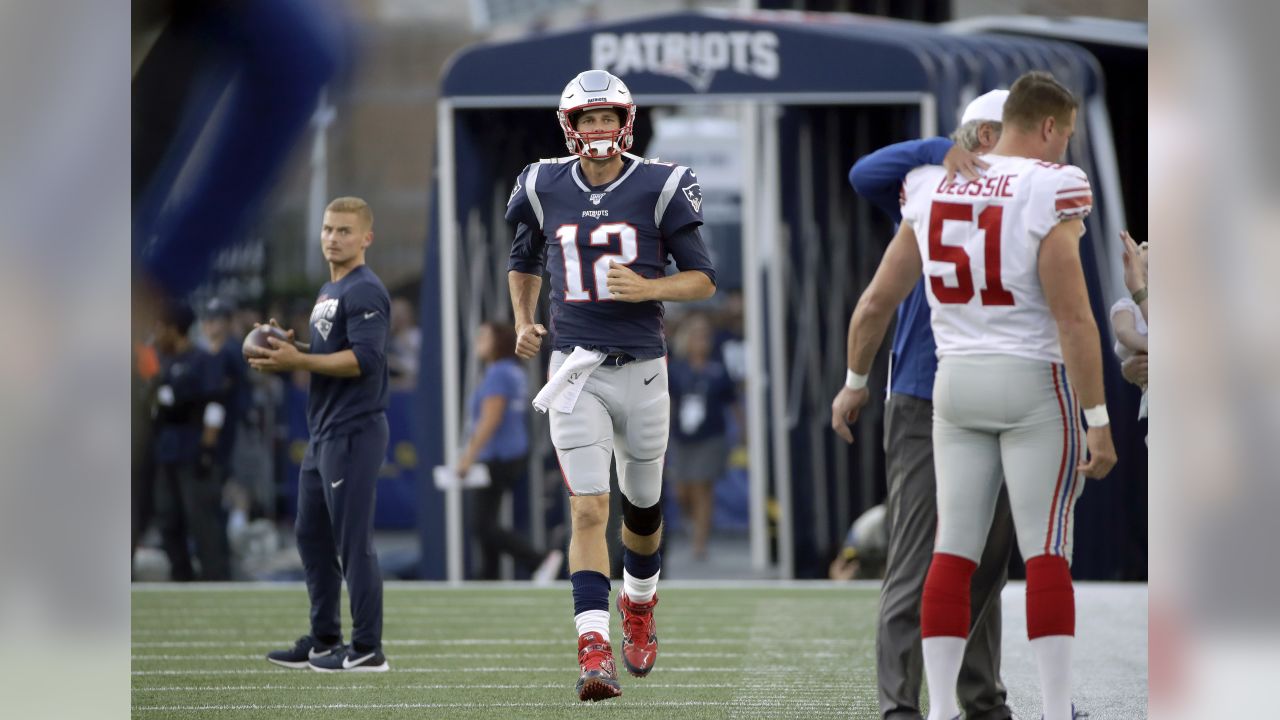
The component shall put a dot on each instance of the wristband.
(854, 381)
(1140, 296)
(1097, 416)
(214, 415)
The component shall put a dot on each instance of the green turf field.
(508, 652)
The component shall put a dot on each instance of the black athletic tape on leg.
(641, 521)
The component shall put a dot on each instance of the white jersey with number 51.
(979, 245)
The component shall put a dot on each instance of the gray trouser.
(188, 503)
(912, 523)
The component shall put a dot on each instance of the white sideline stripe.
(467, 686)
(295, 610)
(411, 706)
(478, 655)
(525, 586)
(568, 667)
(568, 641)
(214, 623)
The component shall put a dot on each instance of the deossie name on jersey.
(322, 315)
(996, 186)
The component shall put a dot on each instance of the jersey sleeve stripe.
(668, 192)
(532, 193)
(1074, 202)
(1064, 191)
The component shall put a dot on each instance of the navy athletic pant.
(334, 526)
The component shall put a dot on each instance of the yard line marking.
(409, 706)
(463, 686)
(419, 623)
(231, 607)
(475, 655)
(523, 586)
(267, 644)
(568, 667)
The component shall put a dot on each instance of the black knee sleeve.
(641, 521)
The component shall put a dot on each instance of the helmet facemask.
(592, 90)
(598, 144)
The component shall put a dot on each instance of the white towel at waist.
(562, 390)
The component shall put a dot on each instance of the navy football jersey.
(187, 382)
(350, 314)
(647, 216)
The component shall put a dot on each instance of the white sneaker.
(549, 569)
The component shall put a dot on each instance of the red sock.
(1051, 602)
(944, 608)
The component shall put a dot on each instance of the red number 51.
(989, 222)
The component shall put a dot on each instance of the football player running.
(1016, 342)
(605, 222)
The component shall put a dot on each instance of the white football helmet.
(595, 89)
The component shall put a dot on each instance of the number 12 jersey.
(980, 245)
(644, 218)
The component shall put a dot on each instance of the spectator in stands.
(146, 366)
(866, 547)
(1129, 317)
(702, 392)
(300, 318)
(406, 342)
(253, 456)
(730, 347)
(215, 326)
(499, 438)
(188, 420)
(1135, 270)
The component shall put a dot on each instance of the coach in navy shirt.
(188, 418)
(346, 415)
(911, 504)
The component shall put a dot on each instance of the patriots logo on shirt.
(694, 194)
(596, 198)
(322, 315)
(514, 190)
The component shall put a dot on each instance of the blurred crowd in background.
(213, 491)
(209, 487)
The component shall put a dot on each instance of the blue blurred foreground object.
(242, 78)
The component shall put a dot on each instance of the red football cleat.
(639, 635)
(599, 679)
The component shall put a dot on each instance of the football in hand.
(257, 338)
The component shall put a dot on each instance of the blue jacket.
(878, 178)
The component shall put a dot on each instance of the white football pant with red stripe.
(1004, 418)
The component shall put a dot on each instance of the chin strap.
(604, 148)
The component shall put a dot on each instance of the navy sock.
(641, 566)
(590, 591)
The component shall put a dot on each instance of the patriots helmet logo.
(694, 194)
(514, 190)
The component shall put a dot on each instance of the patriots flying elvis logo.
(694, 194)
